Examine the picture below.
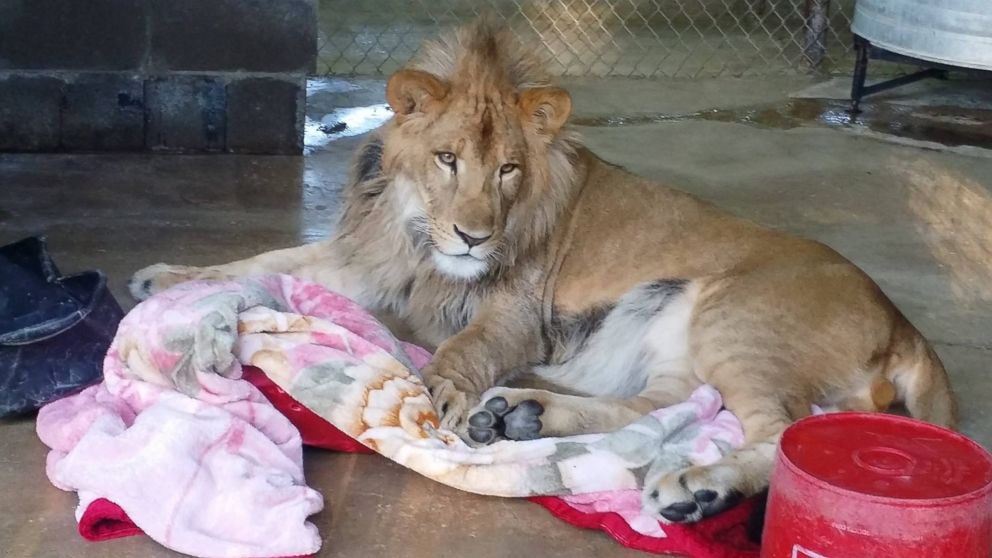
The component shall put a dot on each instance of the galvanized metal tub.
(952, 32)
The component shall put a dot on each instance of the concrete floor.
(904, 193)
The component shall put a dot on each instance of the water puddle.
(947, 125)
(342, 123)
(950, 126)
(332, 85)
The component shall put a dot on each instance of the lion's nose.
(469, 239)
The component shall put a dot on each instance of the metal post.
(817, 20)
(860, 73)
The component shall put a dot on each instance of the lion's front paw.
(159, 277)
(506, 414)
(451, 403)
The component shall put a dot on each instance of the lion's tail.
(921, 382)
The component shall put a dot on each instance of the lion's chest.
(436, 311)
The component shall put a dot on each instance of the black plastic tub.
(54, 330)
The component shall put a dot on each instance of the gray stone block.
(278, 36)
(103, 112)
(185, 113)
(29, 113)
(72, 34)
(265, 116)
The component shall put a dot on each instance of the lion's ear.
(410, 91)
(547, 107)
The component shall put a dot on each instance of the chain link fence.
(630, 38)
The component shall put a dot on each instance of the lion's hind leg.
(696, 492)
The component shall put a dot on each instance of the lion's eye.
(446, 158)
(507, 168)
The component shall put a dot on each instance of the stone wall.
(161, 75)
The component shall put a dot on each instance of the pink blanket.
(219, 475)
(202, 463)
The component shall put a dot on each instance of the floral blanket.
(173, 433)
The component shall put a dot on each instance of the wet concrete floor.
(945, 125)
(911, 205)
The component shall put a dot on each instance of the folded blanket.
(173, 433)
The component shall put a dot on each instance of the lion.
(565, 295)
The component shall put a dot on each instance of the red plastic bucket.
(864, 485)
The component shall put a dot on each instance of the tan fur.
(775, 322)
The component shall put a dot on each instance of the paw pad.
(679, 511)
(498, 420)
(704, 503)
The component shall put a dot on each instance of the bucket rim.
(943, 501)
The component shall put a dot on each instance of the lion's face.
(465, 157)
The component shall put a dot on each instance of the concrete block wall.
(161, 75)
